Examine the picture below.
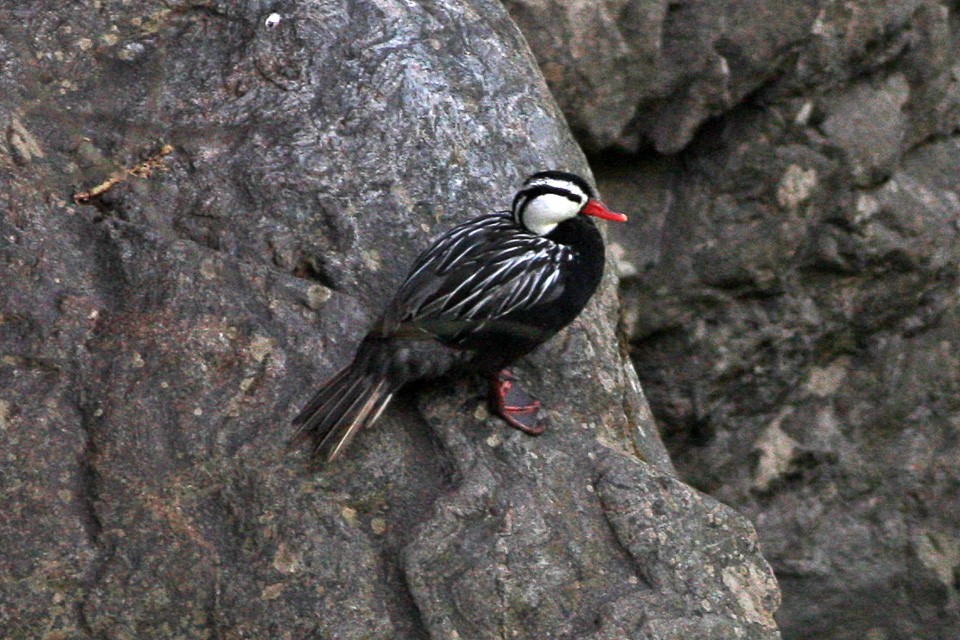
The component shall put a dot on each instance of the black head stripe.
(562, 175)
(542, 189)
(519, 204)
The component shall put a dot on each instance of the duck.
(481, 296)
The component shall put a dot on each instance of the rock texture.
(632, 75)
(204, 204)
(635, 73)
(791, 289)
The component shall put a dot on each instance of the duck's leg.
(514, 405)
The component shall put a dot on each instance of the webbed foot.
(517, 408)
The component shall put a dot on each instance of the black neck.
(578, 233)
(586, 268)
(580, 275)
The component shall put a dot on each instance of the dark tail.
(351, 400)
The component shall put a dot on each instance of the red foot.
(514, 405)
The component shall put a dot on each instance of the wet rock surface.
(791, 278)
(204, 205)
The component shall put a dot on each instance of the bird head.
(548, 198)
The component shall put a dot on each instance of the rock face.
(791, 289)
(803, 368)
(635, 73)
(204, 205)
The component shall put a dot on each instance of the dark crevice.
(205, 9)
(88, 477)
(315, 268)
(109, 259)
(405, 604)
(84, 624)
(446, 476)
(646, 580)
(412, 508)
(88, 496)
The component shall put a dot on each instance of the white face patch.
(542, 212)
(546, 211)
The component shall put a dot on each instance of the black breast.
(580, 276)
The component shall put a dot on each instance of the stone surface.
(204, 204)
(791, 295)
(639, 74)
(632, 74)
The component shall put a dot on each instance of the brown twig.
(140, 170)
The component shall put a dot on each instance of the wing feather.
(477, 273)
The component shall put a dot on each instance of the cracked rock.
(795, 313)
(155, 342)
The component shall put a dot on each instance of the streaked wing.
(477, 274)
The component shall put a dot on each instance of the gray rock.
(793, 308)
(637, 73)
(869, 124)
(203, 207)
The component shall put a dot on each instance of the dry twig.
(140, 170)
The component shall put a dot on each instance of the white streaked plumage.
(502, 262)
(492, 268)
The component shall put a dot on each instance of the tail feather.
(321, 397)
(351, 400)
(339, 407)
(365, 416)
(343, 415)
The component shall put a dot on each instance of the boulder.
(636, 75)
